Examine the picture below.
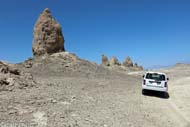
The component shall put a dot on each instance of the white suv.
(155, 81)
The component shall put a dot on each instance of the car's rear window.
(155, 76)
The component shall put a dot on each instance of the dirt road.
(174, 110)
(179, 93)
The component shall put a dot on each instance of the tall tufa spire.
(48, 37)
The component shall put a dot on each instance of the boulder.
(47, 36)
(5, 69)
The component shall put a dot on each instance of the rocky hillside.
(63, 64)
(51, 60)
(58, 89)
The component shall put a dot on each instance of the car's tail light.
(166, 84)
(144, 82)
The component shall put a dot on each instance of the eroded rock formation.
(48, 37)
(114, 61)
(128, 62)
(105, 60)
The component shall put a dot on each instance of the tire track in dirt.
(179, 106)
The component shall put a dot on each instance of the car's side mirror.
(143, 76)
(168, 79)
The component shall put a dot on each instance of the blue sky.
(152, 32)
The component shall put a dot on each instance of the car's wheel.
(143, 91)
(165, 95)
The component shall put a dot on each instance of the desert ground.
(71, 92)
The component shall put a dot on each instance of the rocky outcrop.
(105, 60)
(114, 62)
(5, 69)
(128, 62)
(48, 37)
(12, 78)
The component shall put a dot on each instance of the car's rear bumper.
(155, 88)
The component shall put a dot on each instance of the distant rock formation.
(128, 62)
(114, 61)
(105, 60)
(140, 67)
(47, 34)
(137, 67)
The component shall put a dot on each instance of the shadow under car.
(164, 95)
